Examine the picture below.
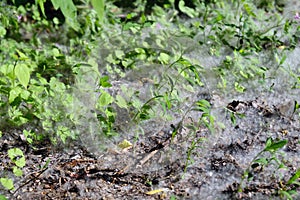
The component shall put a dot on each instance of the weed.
(266, 158)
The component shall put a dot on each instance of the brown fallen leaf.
(155, 191)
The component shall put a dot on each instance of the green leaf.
(17, 156)
(17, 171)
(249, 10)
(203, 105)
(282, 59)
(21, 55)
(69, 11)
(263, 161)
(186, 10)
(121, 102)
(105, 99)
(56, 4)
(269, 142)
(25, 94)
(41, 4)
(23, 74)
(56, 52)
(297, 106)
(131, 15)
(286, 194)
(99, 8)
(63, 132)
(104, 81)
(274, 146)
(2, 197)
(13, 94)
(232, 118)
(2, 31)
(111, 59)
(164, 58)
(20, 162)
(46, 164)
(294, 178)
(167, 101)
(119, 54)
(239, 88)
(7, 183)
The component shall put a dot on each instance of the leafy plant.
(66, 81)
(260, 161)
(288, 190)
(18, 159)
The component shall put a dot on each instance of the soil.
(156, 167)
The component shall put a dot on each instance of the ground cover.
(174, 100)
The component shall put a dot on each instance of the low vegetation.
(61, 62)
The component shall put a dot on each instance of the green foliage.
(206, 118)
(99, 7)
(293, 179)
(2, 197)
(272, 146)
(69, 11)
(7, 183)
(53, 79)
(18, 159)
(262, 160)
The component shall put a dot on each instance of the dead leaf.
(155, 191)
(124, 144)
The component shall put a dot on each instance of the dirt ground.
(155, 167)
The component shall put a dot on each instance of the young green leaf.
(20, 162)
(105, 99)
(21, 55)
(41, 4)
(164, 58)
(119, 54)
(104, 81)
(186, 10)
(13, 94)
(7, 183)
(23, 74)
(17, 156)
(274, 146)
(69, 11)
(17, 171)
(249, 10)
(294, 178)
(99, 8)
(121, 102)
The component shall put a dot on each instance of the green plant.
(206, 120)
(268, 156)
(240, 70)
(69, 10)
(2, 197)
(289, 189)
(18, 159)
